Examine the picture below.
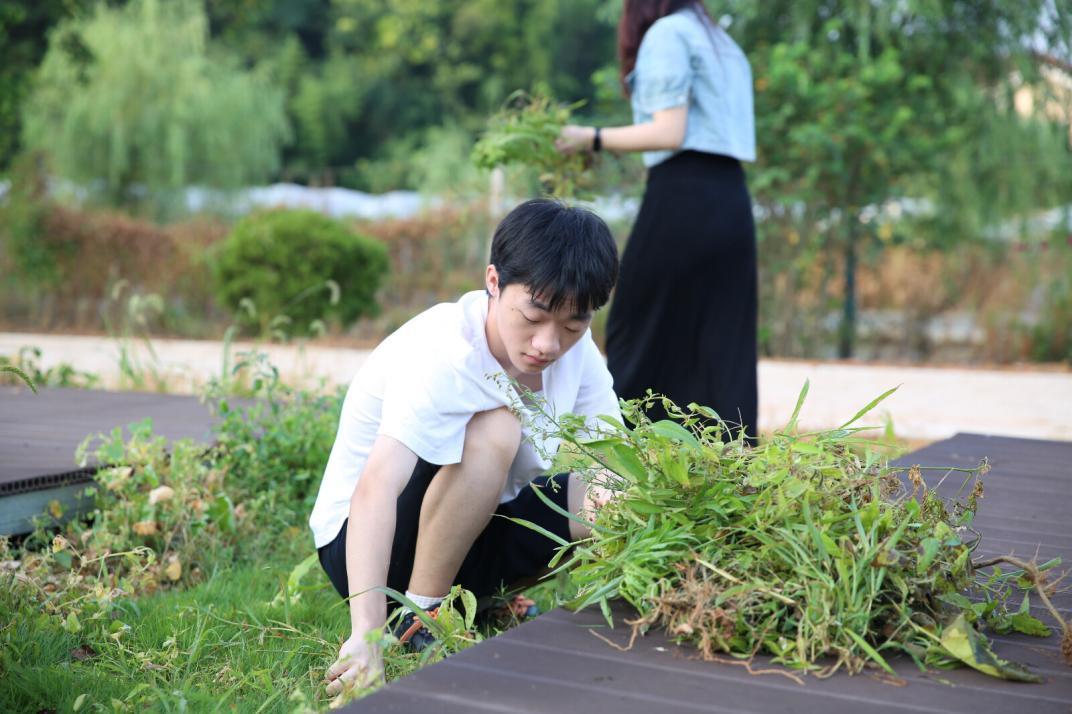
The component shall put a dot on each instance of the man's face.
(531, 335)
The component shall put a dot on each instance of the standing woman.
(683, 320)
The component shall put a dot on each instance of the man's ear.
(491, 281)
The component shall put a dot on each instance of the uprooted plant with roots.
(810, 547)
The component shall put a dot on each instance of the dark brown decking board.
(39, 433)
(554, 664)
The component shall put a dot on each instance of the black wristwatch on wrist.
(597, 141)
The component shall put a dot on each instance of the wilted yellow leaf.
(961, 640)
(59, 543)
(55, 508)
(145, 528)
(174, 568)
(160, 494)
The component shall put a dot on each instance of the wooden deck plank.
(555, 665)
(40, 432)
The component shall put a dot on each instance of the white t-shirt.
(421, 386)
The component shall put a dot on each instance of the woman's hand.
(574, 138)
(359, 665)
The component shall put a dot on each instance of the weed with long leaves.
(808, 547)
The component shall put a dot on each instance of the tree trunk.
(847, 329)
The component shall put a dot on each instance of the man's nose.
(546, 341)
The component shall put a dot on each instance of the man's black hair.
(564, 254)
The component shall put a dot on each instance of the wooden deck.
(39, 434)
(555, 664)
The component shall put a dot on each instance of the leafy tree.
(144, 105)
(23, 28)
(420, 65)
(858, 104)
(323, 100)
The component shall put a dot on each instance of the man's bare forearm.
(371, 530)
(368, 554)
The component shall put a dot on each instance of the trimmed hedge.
(284, 261)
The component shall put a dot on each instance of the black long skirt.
(683, 319)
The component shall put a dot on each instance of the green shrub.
(27, 252)
(298, 267)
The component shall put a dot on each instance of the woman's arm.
(664, 132)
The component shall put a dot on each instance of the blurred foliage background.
(913, 190)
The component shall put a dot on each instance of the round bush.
(285, 262)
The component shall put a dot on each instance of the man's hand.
(596, 497)
(359, 665)
(585, 500)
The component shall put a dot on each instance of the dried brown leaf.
(174, 568)
(145, 528)
(161, 494)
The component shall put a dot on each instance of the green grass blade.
(874, 403)
(539, 529)
(871, 652)
(562, 511)
(419, 611)
(789, 427)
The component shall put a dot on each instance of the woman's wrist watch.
(597, 141)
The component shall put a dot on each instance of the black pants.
(683, 320)
(503, 554)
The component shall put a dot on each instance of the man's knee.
(495, 433)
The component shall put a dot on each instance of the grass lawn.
(220, 645)
(230, 643)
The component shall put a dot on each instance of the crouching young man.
(430, 445)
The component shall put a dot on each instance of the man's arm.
(595, 398)
(369, 536)
(371, 529)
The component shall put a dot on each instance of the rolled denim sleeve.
(663, 70)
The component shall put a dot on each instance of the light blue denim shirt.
(685, 59)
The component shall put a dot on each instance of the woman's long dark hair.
(637, 17)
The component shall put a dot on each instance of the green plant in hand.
(806, 547)
(523, 132)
